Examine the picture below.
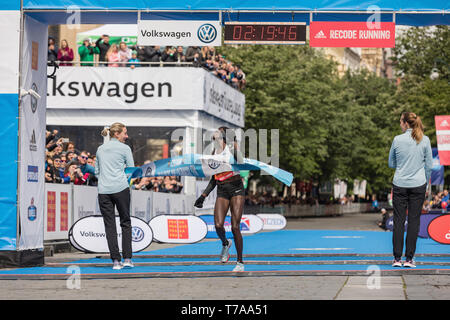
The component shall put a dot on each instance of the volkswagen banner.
(178, 228)
(88, 235)
(179, 33)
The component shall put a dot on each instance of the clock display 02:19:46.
(265, 32)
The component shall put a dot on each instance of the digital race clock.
(265, 33)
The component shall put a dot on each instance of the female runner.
(230, 195)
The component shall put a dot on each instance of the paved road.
(436, 287)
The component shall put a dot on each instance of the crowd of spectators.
(121, 55)
(438, 201)
(66, 164)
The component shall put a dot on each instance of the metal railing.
(75, 63)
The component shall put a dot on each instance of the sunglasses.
(85, 158)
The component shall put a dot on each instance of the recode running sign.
(88, 235)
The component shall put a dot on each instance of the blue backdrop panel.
(404, 5)
(422, 19)
(8, 170)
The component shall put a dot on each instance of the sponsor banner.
(85, 199)
(437, 172)
(425, 219)
(272, 221)
(162, 89)
(141, 204)
(439, 229)
(178, 228)
(223, 101)
(352, 34)
(249, 224)
(179, 33)
(443, 138)
(88, 235)
(58, 211)
(390, 223)
(32, 138)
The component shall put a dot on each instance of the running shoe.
(409, 264)
(127, 263)
(397, 263)
(117, 265)
(225, 254)
(239, 267)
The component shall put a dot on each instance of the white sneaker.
(239, 267)
(225, 254)
(397, 263)
(117, 265)
(409, 264)
(127, 263)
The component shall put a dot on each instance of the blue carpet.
(309, 241)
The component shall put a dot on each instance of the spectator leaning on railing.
(65, 54)
(113, 56)
(124, 54)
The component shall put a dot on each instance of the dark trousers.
(410, 199)
(107, 202)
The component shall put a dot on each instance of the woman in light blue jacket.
(411, 157)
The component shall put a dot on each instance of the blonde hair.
(415, 123)
(116, 127)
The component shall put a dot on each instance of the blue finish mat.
(266, 243)
(310, 242)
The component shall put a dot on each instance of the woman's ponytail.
(415, 123)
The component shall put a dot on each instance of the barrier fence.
(66, 204)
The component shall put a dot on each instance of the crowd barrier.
(65, 204)
(294, 211)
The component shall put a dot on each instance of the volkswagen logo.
(137, 234)
(213, 164)
(148, 172)
(207, 33)
(34, 102)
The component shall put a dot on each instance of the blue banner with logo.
(198, 165)
(437, 172)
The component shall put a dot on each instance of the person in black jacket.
(103, 45)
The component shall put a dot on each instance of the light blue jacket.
(112, 159)
(412, 161)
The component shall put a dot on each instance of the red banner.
(352, 34)
(443, 138)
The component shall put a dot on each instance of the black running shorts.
(230, 189)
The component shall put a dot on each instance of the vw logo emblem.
(137, 234)
(148, 172)
(34, 101)
(207, 33)
(213, 164)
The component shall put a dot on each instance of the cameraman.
(87, 51)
